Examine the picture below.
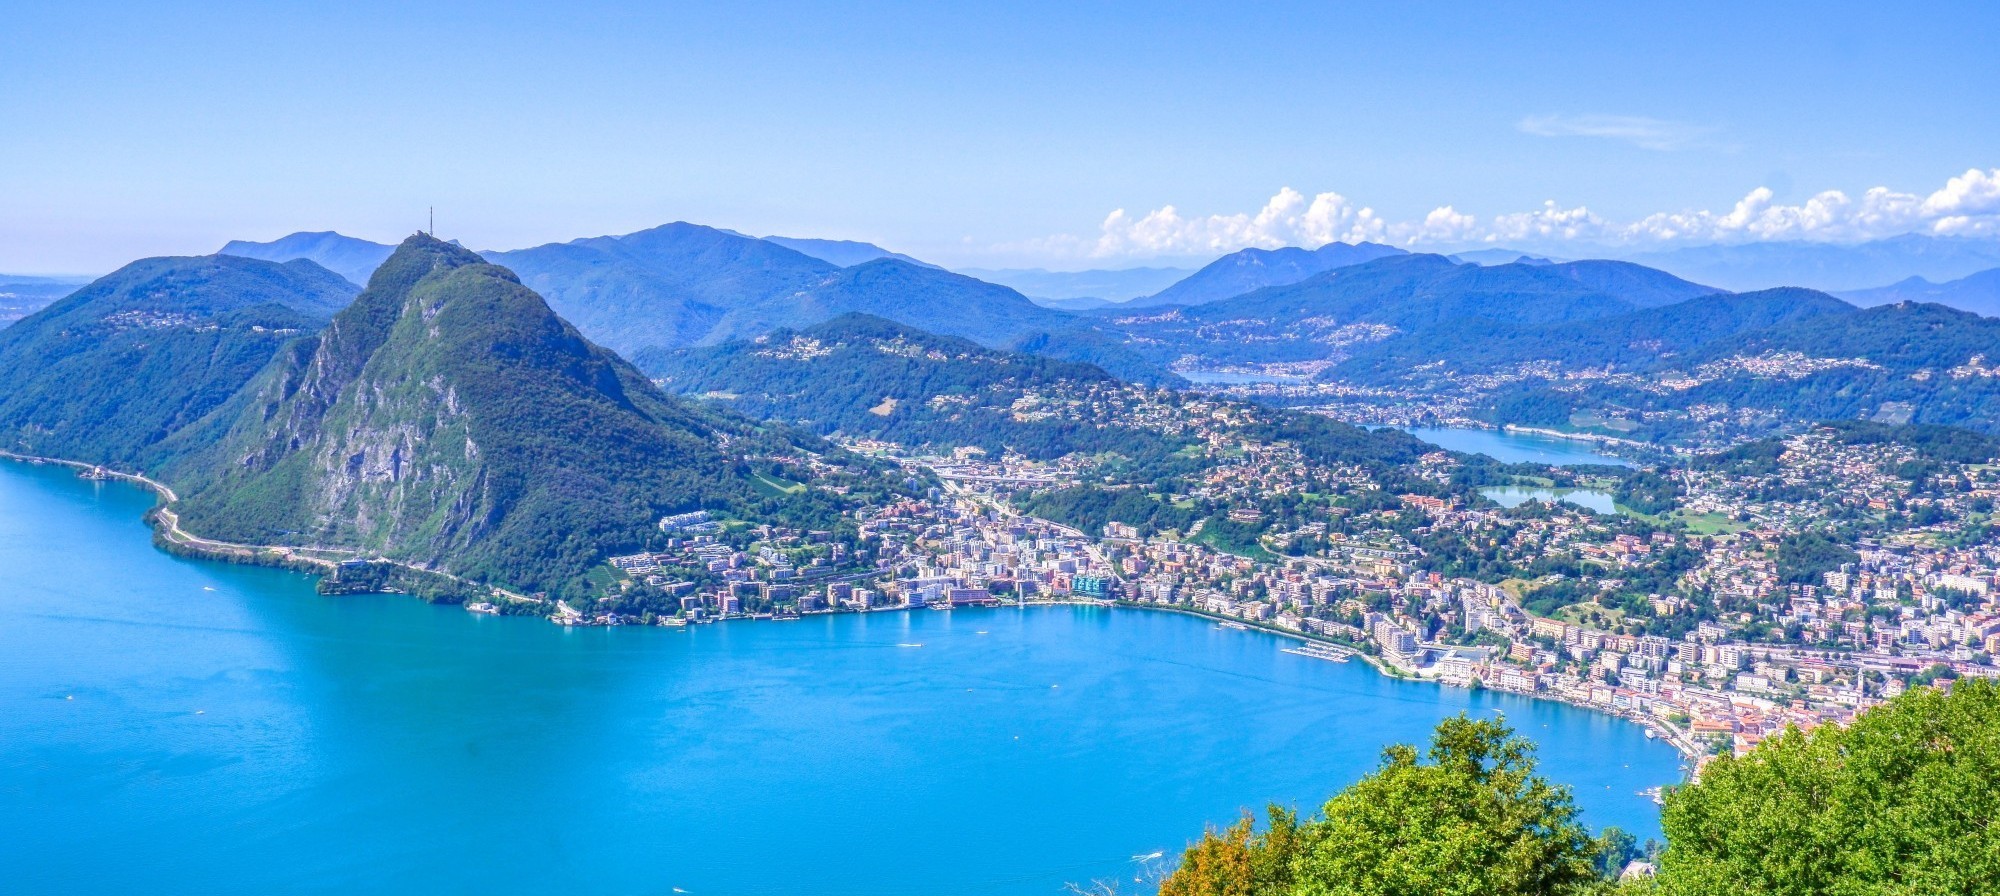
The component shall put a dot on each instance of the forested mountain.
(1400, 297)
(109, 372)
(1978, 293)
(684, 284)
(668, 286)
(1906, 363)
(354, 259)
(846, 253)
(449, 417)
(1253, 269)
(865, 376)
(1635, 340)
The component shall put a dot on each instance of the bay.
(177, 726)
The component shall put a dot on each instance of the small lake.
(1516, 495)
(178, 726)
(1517, 447)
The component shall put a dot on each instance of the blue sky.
(1001, 137)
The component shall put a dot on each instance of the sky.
(1062, 135)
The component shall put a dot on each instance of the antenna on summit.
(433, 232)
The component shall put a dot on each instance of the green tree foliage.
(1805, 559)
(1903, 802)
(1467, 817)
(108, 373)
(1648, 492)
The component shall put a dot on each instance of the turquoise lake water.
(1516, 495)
(175, 726)
(1516, 447)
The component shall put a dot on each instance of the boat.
(1238, 626)
(1327, 652)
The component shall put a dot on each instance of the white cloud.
(1967, 205)
(1645, 133)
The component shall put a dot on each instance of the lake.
(1516, 495)
(177, 726)
(1516, 447)
(1241, 378)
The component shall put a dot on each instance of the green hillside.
(448, 417)
(108, 373)
(864, 376)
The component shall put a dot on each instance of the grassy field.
(774, 486)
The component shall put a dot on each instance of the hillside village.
(1717, 623)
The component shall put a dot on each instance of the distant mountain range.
(685, 284)
(22, 295)
(1500, 256)
(846, 253)
(1396, 297)
(1082, 290)
(1978, 293)
(1252, 269)
(354, 259)
(1827, 266)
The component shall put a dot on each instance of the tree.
(1473, 820)
(1899, 803)
(1237, 861)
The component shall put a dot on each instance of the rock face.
(448, 417)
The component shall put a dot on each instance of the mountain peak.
(450, 418)
(352, 258)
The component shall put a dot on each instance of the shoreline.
(166, 526)
(169, 536)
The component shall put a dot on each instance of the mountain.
(449, 418)
(21, 296)
(683, 284)
(1635, 340)
(1397, 297)
(1978, 293)
(1252, 269)
(354, 259)
(1903, 363)
(1499, 256)
(669, 286)
(1827, 266)
(106, 374)
(865, 376)
(1903, 339)
(1637, 284)
(846, 253)
(1081, 290)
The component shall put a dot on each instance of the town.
(1740, 611)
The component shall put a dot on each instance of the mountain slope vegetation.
(107, 374)
(1249, 270)
(865, 376)
(449, 418)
